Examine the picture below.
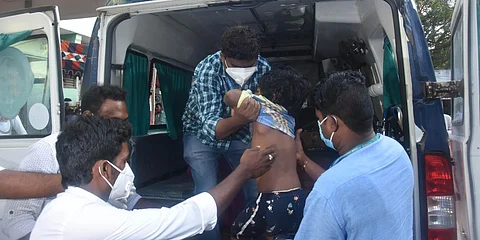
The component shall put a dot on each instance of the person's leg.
(233, 155)
(203, 162)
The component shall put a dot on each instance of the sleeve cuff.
(208, 209)
(210, 126)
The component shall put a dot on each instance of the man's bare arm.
(253, 164)
(312, 169)
(20, 185)
(245, 114)
(231, 98)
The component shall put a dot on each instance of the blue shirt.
(205, 106)
(367, 195)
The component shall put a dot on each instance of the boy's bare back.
(283, 174)
(280, 203)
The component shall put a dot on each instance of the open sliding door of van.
(428, 139)
(30, 82)
(465, 139)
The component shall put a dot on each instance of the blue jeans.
(203, 162)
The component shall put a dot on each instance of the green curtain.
(136, 84)
(175, 86)
(391, 82)
(8, 39)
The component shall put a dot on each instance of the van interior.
(153, 56)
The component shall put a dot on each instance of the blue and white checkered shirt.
(205, 106)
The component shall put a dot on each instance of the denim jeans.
(203, 162)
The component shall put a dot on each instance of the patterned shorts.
(272, 214)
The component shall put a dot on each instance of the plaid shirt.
(205, 106)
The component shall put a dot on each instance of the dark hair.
(241, 43)
(345, 95)
(158, 104)
(94, 97)
(85, 141)
(286, 87)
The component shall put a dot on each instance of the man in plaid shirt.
(211, 129)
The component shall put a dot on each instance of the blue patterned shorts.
(272, 214)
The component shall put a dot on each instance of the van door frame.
(52, 33)
(474, 108)
(13, 148)
(54, 46)
(461, 130)
(465, 135)
(109, 23)
(406, 93)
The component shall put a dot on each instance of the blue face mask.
(328, 142)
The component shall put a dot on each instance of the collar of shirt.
(82, 193)
(356, 148)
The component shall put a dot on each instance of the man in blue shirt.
(367, 193)
(211, 129)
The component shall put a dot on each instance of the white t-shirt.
(20, 215)
(448, 123)
(79, 214)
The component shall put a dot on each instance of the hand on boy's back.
(257, 162)
(298, 144)
(247, 112)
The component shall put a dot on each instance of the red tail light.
(438, 176)
(440, 198)
(442, 234)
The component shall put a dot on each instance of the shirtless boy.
(278, 209)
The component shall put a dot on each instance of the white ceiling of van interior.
(286, 21)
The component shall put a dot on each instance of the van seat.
(176, 188)
(156, 157)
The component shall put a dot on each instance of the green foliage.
(436, 16)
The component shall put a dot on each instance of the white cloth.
(448, 123)
(16, 124)
(19, 216)
(78, 214)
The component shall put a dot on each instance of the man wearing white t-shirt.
(20, 215)
(92, 153)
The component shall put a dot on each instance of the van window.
(158, 118)
(136, 84)
(24, 86)
(457, 70)
(174, 86)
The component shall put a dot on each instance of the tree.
(436, 16)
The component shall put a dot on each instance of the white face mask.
(240, 75)
(122, 188)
